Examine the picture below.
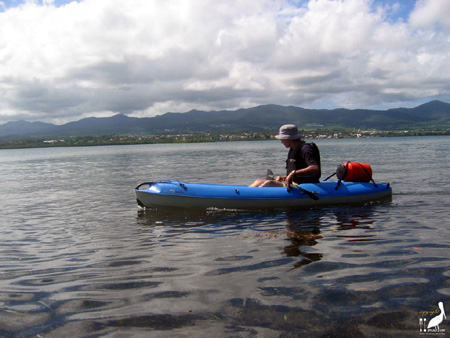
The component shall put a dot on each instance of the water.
(78, 258)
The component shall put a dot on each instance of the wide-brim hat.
(288, 132)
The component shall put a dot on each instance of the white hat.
(288, 132)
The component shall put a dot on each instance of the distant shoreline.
(105, 140)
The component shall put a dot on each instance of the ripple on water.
(79, 259)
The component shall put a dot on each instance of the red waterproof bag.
(354, 172)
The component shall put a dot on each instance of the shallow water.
(79, 258)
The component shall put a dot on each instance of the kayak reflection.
(302, 229)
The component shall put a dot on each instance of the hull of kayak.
(195, 195)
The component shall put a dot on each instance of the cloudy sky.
(63, 60)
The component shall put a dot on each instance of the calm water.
(78, 258)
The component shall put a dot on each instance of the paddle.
(271, 176)
(309, 193)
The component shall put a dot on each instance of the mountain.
(27, 128)
(434, 114)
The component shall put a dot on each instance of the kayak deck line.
(173, 193)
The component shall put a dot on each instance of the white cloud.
(431, 13)
(146, 57)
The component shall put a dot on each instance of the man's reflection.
(303, 229)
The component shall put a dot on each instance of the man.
(302, 164)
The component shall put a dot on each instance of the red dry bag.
(354, 172)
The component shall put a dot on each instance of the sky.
(63, 60)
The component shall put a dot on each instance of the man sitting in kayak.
(302, 164)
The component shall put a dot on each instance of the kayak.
(198, 195)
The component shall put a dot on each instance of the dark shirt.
(301, 157)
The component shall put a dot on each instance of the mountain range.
(434, 114)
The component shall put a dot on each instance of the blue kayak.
(197, 195)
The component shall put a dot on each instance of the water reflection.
(303, 230)
(300, 230)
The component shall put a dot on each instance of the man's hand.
(288, 180)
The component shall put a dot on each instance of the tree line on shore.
(76, 141)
